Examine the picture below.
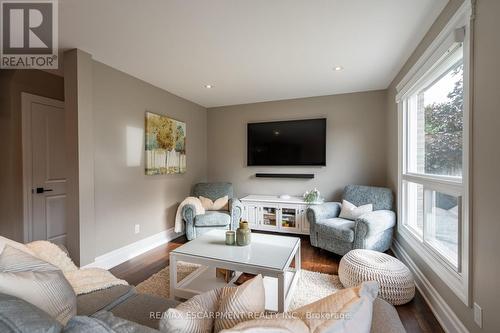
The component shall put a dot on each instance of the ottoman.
(395, 279)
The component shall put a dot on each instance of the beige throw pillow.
(219, 204)
(347, 310)
(216, 309)
(349, 211)
(240, 304)
(193, 316)
(37, 282)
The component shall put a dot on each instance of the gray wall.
(356, 143)
(12, 83)
(124, 196)
(485, 164)
(80, 207)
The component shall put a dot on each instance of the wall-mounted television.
(292, 142)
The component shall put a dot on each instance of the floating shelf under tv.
(285, 175)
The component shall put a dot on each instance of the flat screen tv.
(295, 142)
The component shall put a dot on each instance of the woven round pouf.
(396, 282)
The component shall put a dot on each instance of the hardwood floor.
(416, 315)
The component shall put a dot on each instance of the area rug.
(311, 286)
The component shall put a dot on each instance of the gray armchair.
(370, 231)
(196, 225)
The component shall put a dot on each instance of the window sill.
(444, 270)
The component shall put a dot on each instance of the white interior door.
(44, 152)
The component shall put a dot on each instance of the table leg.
(298, 262)
(281, 292)
(173, 275)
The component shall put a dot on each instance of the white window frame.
(459, 27)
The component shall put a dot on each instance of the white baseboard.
(118, 256)
(444, 314)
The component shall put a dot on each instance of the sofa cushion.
(240, 304)
(349, 310)
(212, 219)
(144, 309)
(216, 309)
(104, 322)
(351, 212)
(336, 228)
(19, 316)
(104, 299)
(37, 282)
(184, 319)
(221, 203)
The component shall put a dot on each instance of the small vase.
(230, 237)
(243, 234)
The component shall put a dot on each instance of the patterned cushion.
(36, 282)
(231, 305)
(212, 218)
(183, 318)
(337, 228)
(238, 304)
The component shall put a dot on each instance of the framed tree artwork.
(165, 145)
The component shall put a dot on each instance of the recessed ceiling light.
(208, 86)
(338, 68)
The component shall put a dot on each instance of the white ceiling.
(250, 50)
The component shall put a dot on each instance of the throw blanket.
(199, 210)
(83, 280)
(87, 280)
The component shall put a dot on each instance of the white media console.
(272, 213)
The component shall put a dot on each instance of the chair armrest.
(326, 210)
(373, 223)
(235, 209)
(188, 214)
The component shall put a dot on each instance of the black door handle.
(39, 190)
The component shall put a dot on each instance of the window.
(435, 121)
(433, 154)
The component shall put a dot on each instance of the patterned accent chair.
(371, 231)
(196, 225)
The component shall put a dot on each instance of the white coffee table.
(268, 255)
